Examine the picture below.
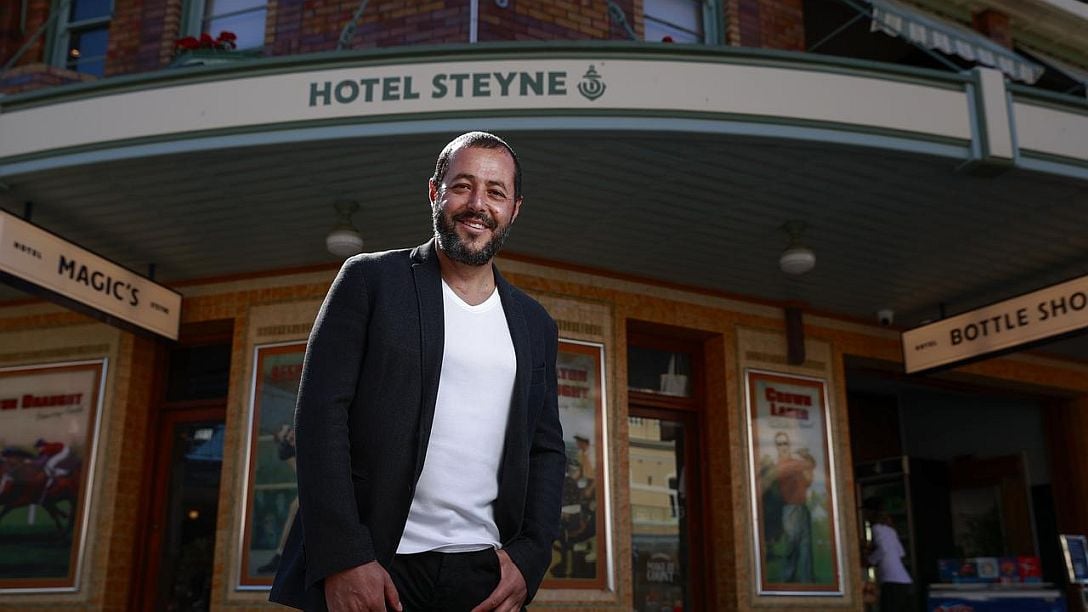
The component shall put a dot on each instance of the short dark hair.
(479, 140)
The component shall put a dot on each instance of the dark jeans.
(445, 581)
(897, 597)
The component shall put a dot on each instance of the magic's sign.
(1053, 311)
(43, 263)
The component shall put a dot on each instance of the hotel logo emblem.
(591, 86)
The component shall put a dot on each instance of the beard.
(456, 249)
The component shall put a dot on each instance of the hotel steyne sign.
(502, 84)
(1049, 312)
(41, 262)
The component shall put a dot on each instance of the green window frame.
(80, 37)
(238, 16)
(665, 17)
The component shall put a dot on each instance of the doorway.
(961, 470)
(181, 486)
(665, 412)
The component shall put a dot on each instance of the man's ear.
(517, 209)
(432, 192)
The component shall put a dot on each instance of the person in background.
(53, 453)
(285, 447)
(886, 555)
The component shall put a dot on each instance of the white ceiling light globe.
(797, 260)
(344, 242)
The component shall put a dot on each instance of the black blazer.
(365, 407)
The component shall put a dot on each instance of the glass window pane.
(214, 8)
(656, 371)
(659, 534)
(656, 32)
(88, 9)
(680, 19)
(87, 50)
(248, 27)
(185, 576)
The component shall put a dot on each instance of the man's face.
(782, 443)
(474, 206)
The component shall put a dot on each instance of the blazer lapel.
(428, 282)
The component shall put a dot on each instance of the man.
(430, 455)
(794, 476)
(285, 446)
(52, 454)
(586, 458)
(886, 555)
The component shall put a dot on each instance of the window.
(245, 18)
(84, 38)
(665, 441)
(676, 20)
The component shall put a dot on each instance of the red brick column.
(782, 24)
(994, 25)
(553, 20)
(11, 38)
(744, 23)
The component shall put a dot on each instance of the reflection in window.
(659, 531)
(676, 20)
(245, 18)
(657, 371)
(85, 36)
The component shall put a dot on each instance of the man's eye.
(495, 193)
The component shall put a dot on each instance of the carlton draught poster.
(272, 493)
(793, 501)
(579, 555)
(48, 423)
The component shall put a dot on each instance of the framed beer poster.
(580, 555)
(271, 489)
(49, 420)
(794, 504)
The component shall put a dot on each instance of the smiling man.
(429, 451)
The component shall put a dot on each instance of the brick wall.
(126, 28)
(308, 26)
(38, 76)
(994, 25)
(770, 24)
(782, 23)
(12, 37)
(553, 20)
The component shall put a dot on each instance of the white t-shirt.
(887, 556)
(452, 508)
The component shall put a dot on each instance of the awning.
(895, 19)
(1073, 73)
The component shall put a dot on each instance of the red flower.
(225, 41)
(187, 43)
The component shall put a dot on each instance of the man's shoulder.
(530, 306)
(374, 266)
(380, 258)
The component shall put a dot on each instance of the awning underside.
(901, 21)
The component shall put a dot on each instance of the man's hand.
(367, 587)
(510, 594)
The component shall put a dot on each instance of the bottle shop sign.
(1032, 317)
